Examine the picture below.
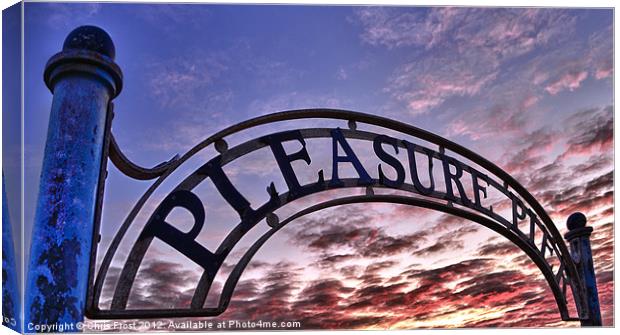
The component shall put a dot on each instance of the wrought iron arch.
(526, 207)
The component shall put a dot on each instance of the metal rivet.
(272, 220)
(221, 146)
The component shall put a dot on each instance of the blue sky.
(526, 88)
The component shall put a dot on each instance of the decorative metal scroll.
(540, 241)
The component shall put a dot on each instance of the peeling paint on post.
(10, 289)
(83, 79)
(578, 237)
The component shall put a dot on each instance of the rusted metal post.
(578, 237)
(83, 79)
(10, 289)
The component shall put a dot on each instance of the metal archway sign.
(540, 240)
(84, 79)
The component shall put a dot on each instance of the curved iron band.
(531, 251)
(193, 180)
(140, 248)
(309, 133)
(233, 278)
(93, 310)
(133, 170)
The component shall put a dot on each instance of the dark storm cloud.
(548, 177)
(162, 284)
(534, 146)
(594, 164)
(491, 284)
(333, 260)
(591, 130)
(446, 222)
(451, 272)
(246, 290)
(365, 239)
(322, 294)
(498, 249)
(594, 187)
(269, 298)
(449, 241)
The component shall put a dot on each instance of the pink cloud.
(604, 71)
(427, 83)
(467, 48)
(601, 53)
(570, 81)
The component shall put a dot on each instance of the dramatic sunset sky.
(529, 89)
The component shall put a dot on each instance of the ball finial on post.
(576, 220)
(90, 38)
(86, 50)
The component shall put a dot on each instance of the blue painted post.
(10, 289)
(83, 79)
(578, 237)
